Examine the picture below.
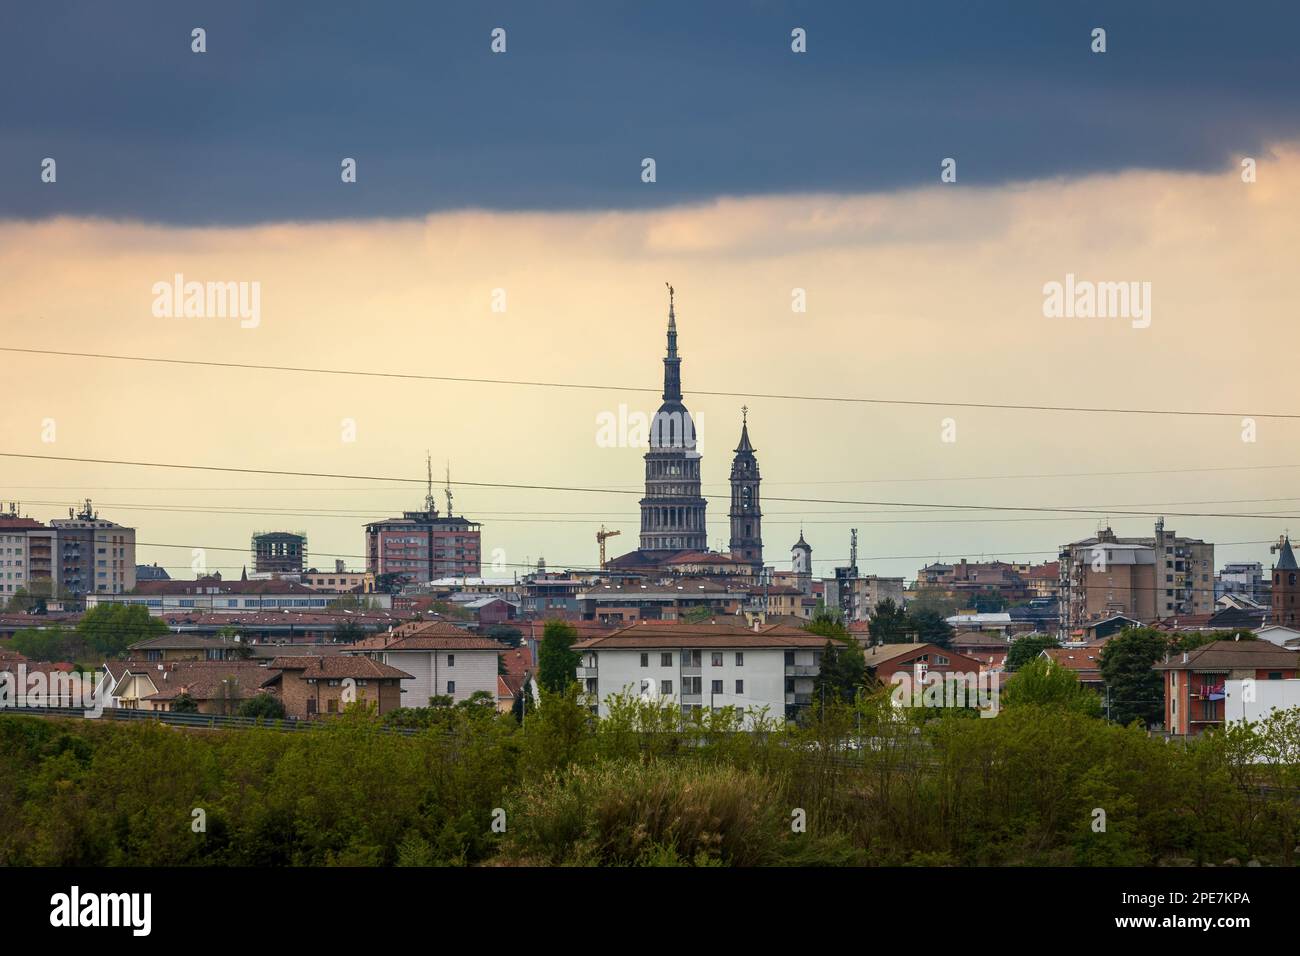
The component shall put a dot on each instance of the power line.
(585, 490)
(525, 383)
(717, 484)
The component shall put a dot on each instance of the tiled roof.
(1084, 661)
(654, 634)
(1232, 655)
(427, 636)
(359, 668)
(887, 653)
(209, 680)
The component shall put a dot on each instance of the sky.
(517, 177)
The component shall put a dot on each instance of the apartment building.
(760, 670)
(421, 546)
(1196, 694)
(626, 602)
(15, 558)
(1244, 579)
(858, 594)
(1148, 579)
(442, 660)
(215, 596)
(94, 555)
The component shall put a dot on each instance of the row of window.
(690, 685)
(691, 659)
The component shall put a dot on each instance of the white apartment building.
(770, 668)
(13, 563)
(442, 659)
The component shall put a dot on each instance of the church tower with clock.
(746, 513)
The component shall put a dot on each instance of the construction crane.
(601, 535)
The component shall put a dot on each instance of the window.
(740, 687)
(451, 660)
(645, 662)
(332, 706)
(666, 660)
(717, 687)
(940, 659)
(665, 687)
(451, 687)
(740, 658)
(717, 658)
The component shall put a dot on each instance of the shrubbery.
(864, 784)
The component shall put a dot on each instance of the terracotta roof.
(359, 668)
(14, 523)
(1232, 655)
(209, 680)
(518, 660)
(886, 653)
(428, 636)
(655, 634)
(183, 642)
(1082, 660)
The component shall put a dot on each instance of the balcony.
(798, 699)
(586, 672)
(801, 670)
(691, 699)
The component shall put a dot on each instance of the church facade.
(674, 529)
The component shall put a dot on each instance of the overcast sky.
(775, 172)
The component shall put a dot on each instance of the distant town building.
(93, 555)
(421, 546)
(442, 660)
(768, 670)
(673, 511)
(1243, 578)
(151, 572)
(1195, 691)
(965, 578)
(339, 581)
(279, 552)
(1286, 586)
(1147, 579)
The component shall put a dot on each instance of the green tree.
(110, 629)
(987, 602)
(828, 622)
(842, 673)
(1042, 683)
(929, 626)
(557, 661)
(1136, 690)
(348, 632)
(888, 624)
(55, 644)
(184, 704)
(1027, 648)
(266, 706)
(507, 635)
(698, 615)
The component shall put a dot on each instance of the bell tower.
(746, 513)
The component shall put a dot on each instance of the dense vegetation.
(865, 783)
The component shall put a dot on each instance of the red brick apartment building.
(1194, 682)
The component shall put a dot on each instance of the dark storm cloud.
(255, 128)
